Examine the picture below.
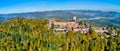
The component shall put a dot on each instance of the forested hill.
(109, 18)
(64, 14)
(21, 34)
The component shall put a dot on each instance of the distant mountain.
(64, 14)
(88, 15)
(2, 19)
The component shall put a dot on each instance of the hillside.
(21, 34)
(64, 13)
(87, 15)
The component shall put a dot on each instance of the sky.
(20, 6)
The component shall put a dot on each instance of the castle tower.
(51, 20)
(74, 18)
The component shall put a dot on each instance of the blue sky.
(18, 6)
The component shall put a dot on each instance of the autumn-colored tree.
(21, 34)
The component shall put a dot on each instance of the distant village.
(73, 25)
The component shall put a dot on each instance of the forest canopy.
(21, 34)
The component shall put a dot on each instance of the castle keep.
(68, 25)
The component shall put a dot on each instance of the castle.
(72, 24)
(68, 25)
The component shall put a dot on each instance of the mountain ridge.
(73, 12)
(97, 15)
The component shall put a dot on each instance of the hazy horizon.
(22, 6)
